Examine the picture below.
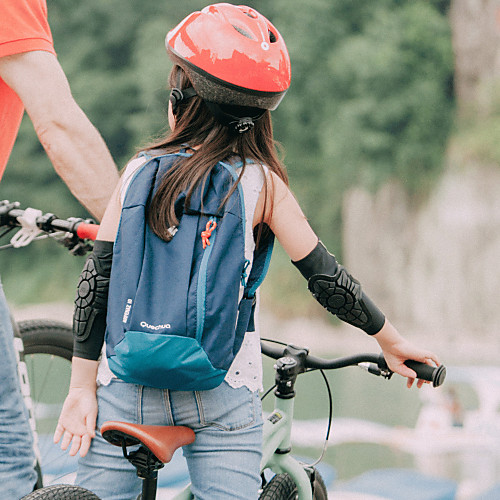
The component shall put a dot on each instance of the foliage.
(370, 99)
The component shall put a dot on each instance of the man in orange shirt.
(32, 79)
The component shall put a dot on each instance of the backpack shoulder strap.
(260, 265)
(261, 260)
(136, 171)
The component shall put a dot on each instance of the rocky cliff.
(435, 264)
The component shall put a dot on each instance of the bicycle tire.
(41, 336)
(319, 487)
(282, 487)
(62, 492)
(48, 347)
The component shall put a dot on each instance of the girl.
(231, 67)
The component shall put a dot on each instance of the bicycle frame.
(277, 446)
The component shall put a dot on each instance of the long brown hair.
(195, 125)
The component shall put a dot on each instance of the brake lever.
(75, 246)
(29, 229)
(376, 370)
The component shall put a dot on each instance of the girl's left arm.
(290, 226)
(285, 218)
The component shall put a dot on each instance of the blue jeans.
(223, 461)
(17, 459)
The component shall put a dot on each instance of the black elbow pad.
(338, 292)
(89, 318)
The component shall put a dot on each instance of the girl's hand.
(397, 350)
(77, 421)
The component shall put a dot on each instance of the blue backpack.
(175, 317)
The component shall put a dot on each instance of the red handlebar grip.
(87, 231)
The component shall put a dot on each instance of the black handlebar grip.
(434, 374)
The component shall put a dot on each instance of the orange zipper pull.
(205, 235)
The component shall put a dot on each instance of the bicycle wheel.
(62, 492)
(282, 487)
(48, 347)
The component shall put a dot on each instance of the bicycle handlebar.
(376, 363)
(33, 222)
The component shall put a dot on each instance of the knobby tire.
(46, 337)
(62, 492)
(282, 487)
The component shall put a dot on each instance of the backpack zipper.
(201, 291)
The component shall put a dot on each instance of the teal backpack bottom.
(165, 362)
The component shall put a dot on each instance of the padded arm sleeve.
(89, 318)
(338, 292)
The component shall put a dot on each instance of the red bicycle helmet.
(232, 55)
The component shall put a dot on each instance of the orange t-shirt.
(23, 28)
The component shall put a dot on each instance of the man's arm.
(73, 144)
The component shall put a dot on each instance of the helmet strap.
(238, 124)
(178, 95)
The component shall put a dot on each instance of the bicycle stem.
(288, 367)
(278, 425)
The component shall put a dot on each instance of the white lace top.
(246, 369)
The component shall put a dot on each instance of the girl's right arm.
(78, 417)
(77, 421)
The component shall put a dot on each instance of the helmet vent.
(243, 32)
(272, 37)
(251, 14)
